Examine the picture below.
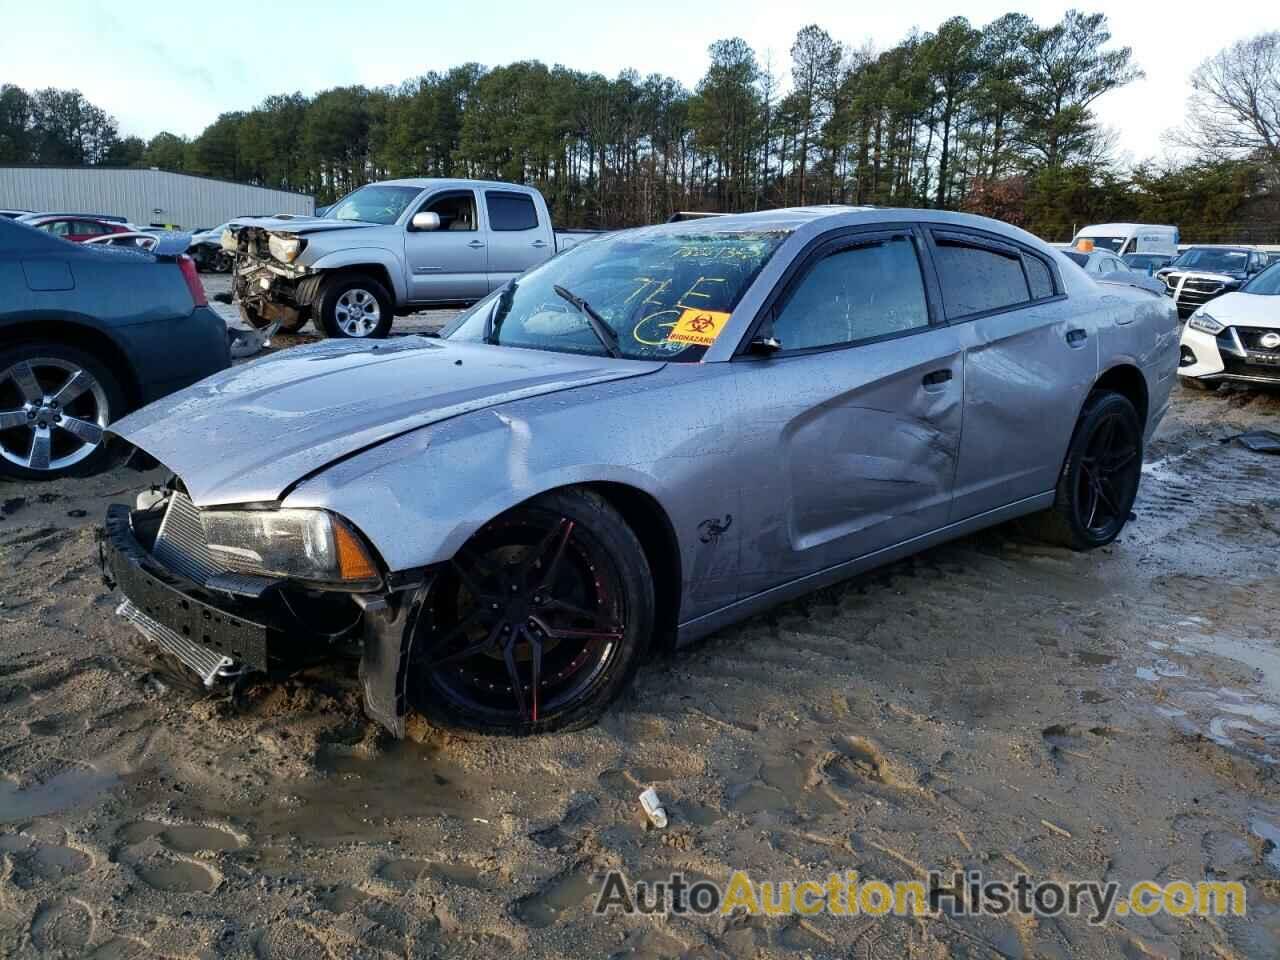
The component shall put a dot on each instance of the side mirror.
(765, 346)
(425, 221)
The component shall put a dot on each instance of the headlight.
(312, 545)
(1205, 323)
(228, 240)
(285, 248)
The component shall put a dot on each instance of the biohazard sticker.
(698, 327)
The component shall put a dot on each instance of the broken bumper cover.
(223, 636)
(201, 630)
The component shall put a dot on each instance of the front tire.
(355, 306)
(55, 404)
(538, 623)
(1099, 480)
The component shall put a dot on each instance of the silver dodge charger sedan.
(644, 439)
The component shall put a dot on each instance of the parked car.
(643, 439)
(87, 334)
(1202, 273)
(1148, 263)
(1235, 338)
(129, 240)
(74, 227)
(1122, 238)
(13, 214)
(1106, 267)
(389, 249)
(1097, 263)
(206, 250)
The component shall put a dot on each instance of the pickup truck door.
(451, 263)
(1030, 359)
(855, 421)
(517, 238)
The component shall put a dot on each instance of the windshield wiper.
(608, 339)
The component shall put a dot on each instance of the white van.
(1122, 238)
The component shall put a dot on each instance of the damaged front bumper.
(228, 626)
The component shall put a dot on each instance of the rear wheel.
(55, 404)
(538, 622)
(1099, 479)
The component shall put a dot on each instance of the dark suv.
(1202, 273)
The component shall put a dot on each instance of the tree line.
(997, 119)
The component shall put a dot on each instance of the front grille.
(1190, 293)
(1251, 337)
(180, 544)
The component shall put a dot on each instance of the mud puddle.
(67, 790)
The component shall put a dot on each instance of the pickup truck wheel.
(55, 405)
(355, 306)
(538, 622)
(1099, 479)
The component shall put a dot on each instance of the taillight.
(192, 276)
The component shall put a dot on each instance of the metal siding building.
(145, 197)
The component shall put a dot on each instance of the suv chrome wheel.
(357, 312)
(53, 414)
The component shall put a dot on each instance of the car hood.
(300, 225)
(1202, 274)
(248, 434)
(1245, 310)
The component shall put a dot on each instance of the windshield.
(1265, 284)
(1144, 260)
(1212, 260)
(1104, 243)
(666, 296)
(375, 203)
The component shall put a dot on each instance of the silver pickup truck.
(389, 249)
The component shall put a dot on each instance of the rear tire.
(538, 623)
(354, 306)
(1099, 479)
(55, 403)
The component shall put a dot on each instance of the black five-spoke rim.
(1108, 471)
(525, 619)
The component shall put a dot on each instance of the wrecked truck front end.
(270, 279)
(225, 610)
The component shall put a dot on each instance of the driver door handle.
(539, 244)
(475, 244)
(936, 378)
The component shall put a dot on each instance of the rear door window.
(978, 276)
(511, 211)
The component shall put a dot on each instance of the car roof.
(1097, 229)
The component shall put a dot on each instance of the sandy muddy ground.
(990, 704)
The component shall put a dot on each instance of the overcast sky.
(167, 66)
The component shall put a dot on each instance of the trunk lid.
(249, 433)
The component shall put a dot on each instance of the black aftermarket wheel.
(538, 622)
(1099, 479)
